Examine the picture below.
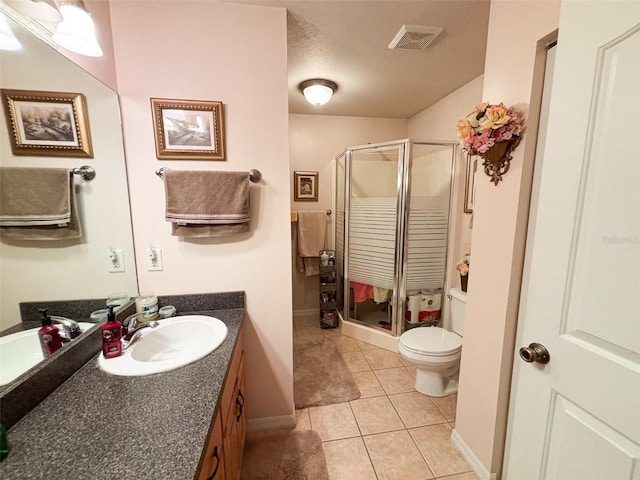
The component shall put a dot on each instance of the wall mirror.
(37, 271)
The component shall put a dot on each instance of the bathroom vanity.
(187, 423)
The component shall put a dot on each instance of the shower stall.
(392, 235)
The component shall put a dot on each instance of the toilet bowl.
(436, 351)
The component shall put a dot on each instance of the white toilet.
(436, 351)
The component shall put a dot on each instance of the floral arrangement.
(487, 125)
(463, 265)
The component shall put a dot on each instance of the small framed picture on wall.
(305, 186)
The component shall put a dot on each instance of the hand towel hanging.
(38, 204)
(312, 227)
(206, 203)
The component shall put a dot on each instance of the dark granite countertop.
(101, 426)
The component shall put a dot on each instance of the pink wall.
(497, 246)
(314, 141)
(237, 54)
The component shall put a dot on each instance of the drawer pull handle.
(215, 470)
(240, 404)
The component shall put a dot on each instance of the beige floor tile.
(412, 370)
(461, 476)
(355, 361)
(366, 346)
(396, 380)
(303, 421)
(434, 442)
(346, 344)
(348, 460)
(333, 422)
(368, 384)
(404, 361)
(381, 358)
(447, 405)
(416, 409)
(376, 415)
(395, 457)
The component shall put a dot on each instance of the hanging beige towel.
(206, 203)
(312, 227)
(38, 204)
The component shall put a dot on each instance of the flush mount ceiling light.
(318, 91)
(77, 31)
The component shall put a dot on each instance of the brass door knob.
(535, 352)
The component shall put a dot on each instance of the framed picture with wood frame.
(49, 124)
(305, 186)
(188, 129)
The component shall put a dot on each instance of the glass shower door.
(373, 181)
(426, 239)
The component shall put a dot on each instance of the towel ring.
(254, 175)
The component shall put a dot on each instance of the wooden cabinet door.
(213, 467)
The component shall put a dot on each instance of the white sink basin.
(174, 343)
(19, 352)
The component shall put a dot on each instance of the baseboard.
(307, 311)
(271, 423)
(469, 456)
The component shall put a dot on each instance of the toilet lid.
(435, 340)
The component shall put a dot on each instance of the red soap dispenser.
(49, 335)
(111, 334)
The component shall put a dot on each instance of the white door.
(578, 416)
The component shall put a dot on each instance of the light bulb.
(77, 31)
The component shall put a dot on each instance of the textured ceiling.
(347, 42)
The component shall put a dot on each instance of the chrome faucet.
(133, 333)
(70, 328)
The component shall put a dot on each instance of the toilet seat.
(433, 341)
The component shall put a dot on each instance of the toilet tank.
(457, 308)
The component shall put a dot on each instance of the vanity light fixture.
(318, 91)
(77, 31)
(8, 40)
(43, 10)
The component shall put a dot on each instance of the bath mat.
(288, 456)
(320, 376)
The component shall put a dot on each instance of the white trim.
(271, 423)
(307, 311)
(370, 335)
(470, 457)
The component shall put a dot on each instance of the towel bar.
(86, 172)
(254, 175)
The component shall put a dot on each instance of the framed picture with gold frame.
(469, 186)
(305, 186)
(188, 129)
(53, 124)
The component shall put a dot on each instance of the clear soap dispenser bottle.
(111, 334)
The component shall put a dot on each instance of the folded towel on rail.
(206, 203)
(38, 204)
(312, 227)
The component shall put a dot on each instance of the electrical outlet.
(154, 259)
(116, 260)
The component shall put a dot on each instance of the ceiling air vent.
(414, 37)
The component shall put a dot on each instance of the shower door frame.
(405, 163)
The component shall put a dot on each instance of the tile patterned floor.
(392, 432)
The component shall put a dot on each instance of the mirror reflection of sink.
(21, 351)
(174, 343)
